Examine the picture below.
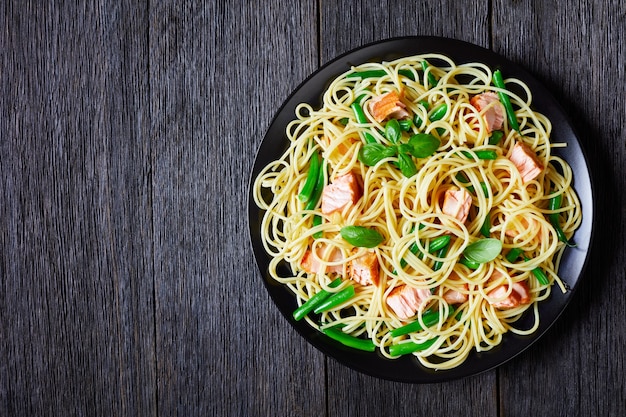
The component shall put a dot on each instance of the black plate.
(407, 368)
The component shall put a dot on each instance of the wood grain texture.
(127, 134)
(76, 270)
(219, 74)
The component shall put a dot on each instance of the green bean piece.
(505, 100)
(487, 154)
(317, 221)
(485, 229)
(314, 301)
(438, 112)
(429, 318)
(440, 254)
(349, 340)
(379, 73)
(435, 244)
(496, 137)
(362, 119)
(311, 179)
(468, 263)
(405, 124)
(555, 204)
(417, 121)
(335, 299)
(393, 131)
(541, 276)
(317, 191)
(513, 254)
(432, 81)
(462, 178)
(410, 347)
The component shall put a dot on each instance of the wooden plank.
(346, 24)
(351, 393)
(218, 73)
(578, 53)
(76, 299)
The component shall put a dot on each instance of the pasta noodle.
(408, 211)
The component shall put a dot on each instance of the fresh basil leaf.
(495, 137)
(404, 148)
(423, 145)
(406, 165)
(390, 151)
(372, 153)
(483, 250)
(360, 236)
(393, 131)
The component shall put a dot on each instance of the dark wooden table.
(127, 134)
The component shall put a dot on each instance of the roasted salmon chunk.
(492, 111)
(405, 301)
(312, 265)
(364, 269)
(341, 192)
(388, 105)
(456, 297)
(520, 294)
(457, 203)
(526, 161)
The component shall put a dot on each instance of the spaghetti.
(441, 304)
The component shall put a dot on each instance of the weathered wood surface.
(127, 134)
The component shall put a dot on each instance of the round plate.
(407, 368)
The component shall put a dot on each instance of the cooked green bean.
(468, 263)
(505, 100)
(440, 254)
(431, 78)
(410, 347)
(317, 221)
(319, 188)
(541, 276)
(349, 340)
(405, 124)
(380, 73)
(335, 299)
(438, 112)
(429, 318)
(314, 301)
(311, 179)
(488, 154)
(435, 244)
(362, 119)
(555, 204)
(513, 254)
(485, 229)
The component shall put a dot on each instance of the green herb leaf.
(372, 153)
(361, 236)
(495, 137)
(406, 165)
(393, 131)
(423, 145)
(483, 250)
(390, 151)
